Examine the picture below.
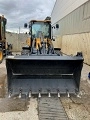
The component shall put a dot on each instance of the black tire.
(1, 55)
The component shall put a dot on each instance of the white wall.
(73, 34)
(18, 41)
(64, 7)
(78, 21)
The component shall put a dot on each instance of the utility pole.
(18, 39)
(19, 30)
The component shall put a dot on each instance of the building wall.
(77, 21)
(63, 7)
(17, 40)
(71, 44)
(74, 28)
(58, 42)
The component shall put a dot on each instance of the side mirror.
(25, 25)
(29, 26)
(29, 33)
(57, 26)
(5, 21)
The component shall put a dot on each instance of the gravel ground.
(30, 114)
(24, 109)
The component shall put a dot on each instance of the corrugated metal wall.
(74, 29)
(63, 7)
(77, 21)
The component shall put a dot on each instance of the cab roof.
(40, 21)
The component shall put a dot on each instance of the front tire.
(1, 55)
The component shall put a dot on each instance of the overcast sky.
(19, 12)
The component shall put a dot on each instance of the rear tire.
(1, 55)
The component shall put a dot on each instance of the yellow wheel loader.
(4, 46)
(41, 68)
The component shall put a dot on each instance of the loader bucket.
(43, 74)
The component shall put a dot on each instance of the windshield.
(40, 29)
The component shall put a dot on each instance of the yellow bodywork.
(38, 42)
(1, 55)
(28, 41)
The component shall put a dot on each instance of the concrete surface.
(24, 109)
(30, 114)
(15, 108)
(79, 108)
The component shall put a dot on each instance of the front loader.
(5, 48)
(41, 68)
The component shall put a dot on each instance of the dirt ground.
(77, 108)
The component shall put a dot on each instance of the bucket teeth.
(39, 95)
(59, 95)
(68, 94)
(30, 94)
(20, 93)
(58, 92)
(49, 93)
(9, 95)
(78, 95)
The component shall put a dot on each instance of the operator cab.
(40, 29)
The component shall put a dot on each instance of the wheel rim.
(1, 55)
